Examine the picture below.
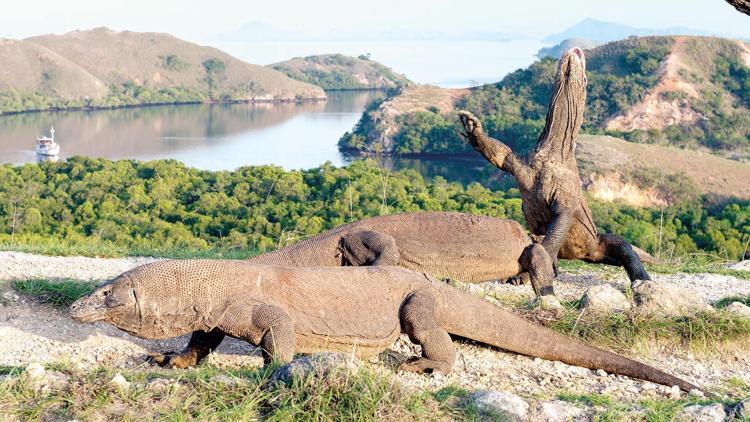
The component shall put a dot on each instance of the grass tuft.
(703, 332)
(193, 395)
(60, 294)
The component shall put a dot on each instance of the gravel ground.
(30, 332)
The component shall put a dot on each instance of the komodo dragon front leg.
(266, 326)
(368, 248)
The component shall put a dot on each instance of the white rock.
(554, 411)
(225, 380)
(9, 298)
(120, 382)
(675, 392)
(708, 413)
(549, 302)
(35, 371)
(739, 309)
(318, 365)
(663, 299)
(741, 266)
(605, 299)
(158, 385)
(40, 379)
(501, 403)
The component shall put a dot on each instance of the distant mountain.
(105, 68)
(602, 32)
(558, 49)
(336, 71)
(264, 32)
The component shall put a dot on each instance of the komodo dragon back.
(452, 245)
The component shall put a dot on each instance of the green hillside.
(338, 72)
(691, 92)
(105, 68)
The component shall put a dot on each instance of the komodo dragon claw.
(169, 360)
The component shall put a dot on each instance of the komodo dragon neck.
(557, 142)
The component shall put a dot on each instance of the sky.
(202, 21)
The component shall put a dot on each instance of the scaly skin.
(363, 309)
(741, 5)
(548, 179)
(452, 245)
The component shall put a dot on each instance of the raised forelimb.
(496, 152)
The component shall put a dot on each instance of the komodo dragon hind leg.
(266, 326)
(536, 261)
(418, 322)
(200, 345)
(368, 248)
(614, 250)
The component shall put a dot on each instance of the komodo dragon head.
(741, 5)
(114, 302)
(565, 114)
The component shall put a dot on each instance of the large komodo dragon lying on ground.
(553, 203)
(452, 245)
(286, 310)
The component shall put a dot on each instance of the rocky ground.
(34, 333)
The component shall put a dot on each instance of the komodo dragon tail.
(645, 256)
(471, 317)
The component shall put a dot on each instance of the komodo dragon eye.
(119, 295)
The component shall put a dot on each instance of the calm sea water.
(210, 137)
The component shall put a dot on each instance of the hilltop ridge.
(686, 91)
(104, 68)
(340, 72)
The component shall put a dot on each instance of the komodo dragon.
(363, 309)
(450, 245)
(553, 203)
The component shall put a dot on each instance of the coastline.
(144, 105)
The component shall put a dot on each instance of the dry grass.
(709, 173)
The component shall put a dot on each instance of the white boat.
(46, 145)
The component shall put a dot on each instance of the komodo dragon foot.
(172, 360)
(200, 345)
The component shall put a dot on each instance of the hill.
(558, 49)
(105, 68)
(601, 31)
(339, 72)
(692, 92)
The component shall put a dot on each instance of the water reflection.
(208, 136)
(222, 137)
(40, 158)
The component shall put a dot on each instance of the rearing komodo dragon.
(553, 203)
(286, 310)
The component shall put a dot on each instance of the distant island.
(558, 49)
(104, 68)
(601, 32)
(339, 72)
